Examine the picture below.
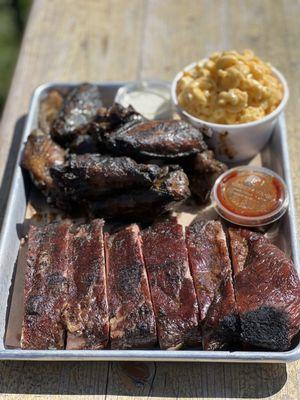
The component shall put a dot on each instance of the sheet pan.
(274, 156)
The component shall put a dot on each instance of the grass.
(10, 40)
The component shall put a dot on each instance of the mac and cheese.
(230, 88)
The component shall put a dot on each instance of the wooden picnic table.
(103, 40)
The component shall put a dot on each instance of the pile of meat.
(111, 161)
(163, 285)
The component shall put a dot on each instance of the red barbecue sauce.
(250, 193)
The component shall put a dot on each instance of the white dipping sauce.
(153, 101)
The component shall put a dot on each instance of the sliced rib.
(46, 286)
(211, 271)
(267, 291)
(86, 311)
(171, 285)
(132, 322)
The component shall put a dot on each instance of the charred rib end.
(266, 327)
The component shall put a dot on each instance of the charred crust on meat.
(91, 176)
(77, 113)
(56, 279)
(225, 336)
(128, 278)
(203, 169)
(109, 119)
(266, 327)
(83, 144)
(230, 328)
(132, 319)
(146, 203)
(267, 290)
(35, 305)
(171, 286)
(39, 155)
(170, 139)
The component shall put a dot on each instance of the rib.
(211, 270)
(173, 294)
(209, 260)
(157, 139)
(267, 290)
(132, 322)
(86, 312)
(90, 176)
(221, 328)
(46, 286)
(166, 192)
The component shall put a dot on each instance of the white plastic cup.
(153, 90)
(240, 142)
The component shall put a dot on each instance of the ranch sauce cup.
(152, 99)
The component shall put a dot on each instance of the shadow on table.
(10, 165)
(143, 379)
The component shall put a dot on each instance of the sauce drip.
(250, 193)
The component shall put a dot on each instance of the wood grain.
(77, 40)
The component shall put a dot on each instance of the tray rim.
(148, 355)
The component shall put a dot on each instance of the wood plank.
(92, 40)
(53, 378)
(136, 380)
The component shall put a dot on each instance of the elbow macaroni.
(230, 88)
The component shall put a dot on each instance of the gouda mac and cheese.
(230, 88)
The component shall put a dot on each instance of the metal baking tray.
(274, 156)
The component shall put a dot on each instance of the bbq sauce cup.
(250, 196)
